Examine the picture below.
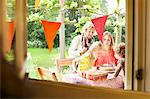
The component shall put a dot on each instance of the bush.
(35, 44)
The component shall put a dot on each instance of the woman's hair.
(120, 50)
(86, 26)
(109, 34)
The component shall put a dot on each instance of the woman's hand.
(83, 51)
(94, 62)
(74, 64)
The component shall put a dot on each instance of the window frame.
(132, 50)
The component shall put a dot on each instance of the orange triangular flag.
(99, 25)
(36, 4)
(50, 29)
(10, 34)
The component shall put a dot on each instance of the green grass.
(41, 57)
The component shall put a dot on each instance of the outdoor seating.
(46, 74)
(61, 63)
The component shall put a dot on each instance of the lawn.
(41, 57)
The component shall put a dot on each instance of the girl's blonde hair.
(94, 47)
(90, 50)
(109, 34)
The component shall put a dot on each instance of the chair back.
(62, 62)
(46, 74)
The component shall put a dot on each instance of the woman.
(106, 53)
(81, 43)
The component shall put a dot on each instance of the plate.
(107, 68)
(106, 65)
(110, 71)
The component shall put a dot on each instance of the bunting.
(50, 30)
(99, 25)
(11, 30)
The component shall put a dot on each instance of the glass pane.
(101, 65)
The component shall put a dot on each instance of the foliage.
(103, 6)
(77, 13)
(36, 37)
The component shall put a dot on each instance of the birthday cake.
(94, 75)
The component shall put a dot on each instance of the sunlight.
(112, 4)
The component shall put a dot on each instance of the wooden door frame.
(139, 43)
(147, 78)
(21, 37)
(136, 24)
(2, 28)
(129, 45)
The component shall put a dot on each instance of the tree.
(104, 6)
(77, 12)
(119, 24)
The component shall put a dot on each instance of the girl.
(85, 64)
(88, 59)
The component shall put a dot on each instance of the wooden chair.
(60, 63)
(46, 74)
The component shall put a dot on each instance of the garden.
(77, 13)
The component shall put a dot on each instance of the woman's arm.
(73, 49)
(120, 66)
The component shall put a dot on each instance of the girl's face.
(89, 32)
(107, 40)
(95, 52)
